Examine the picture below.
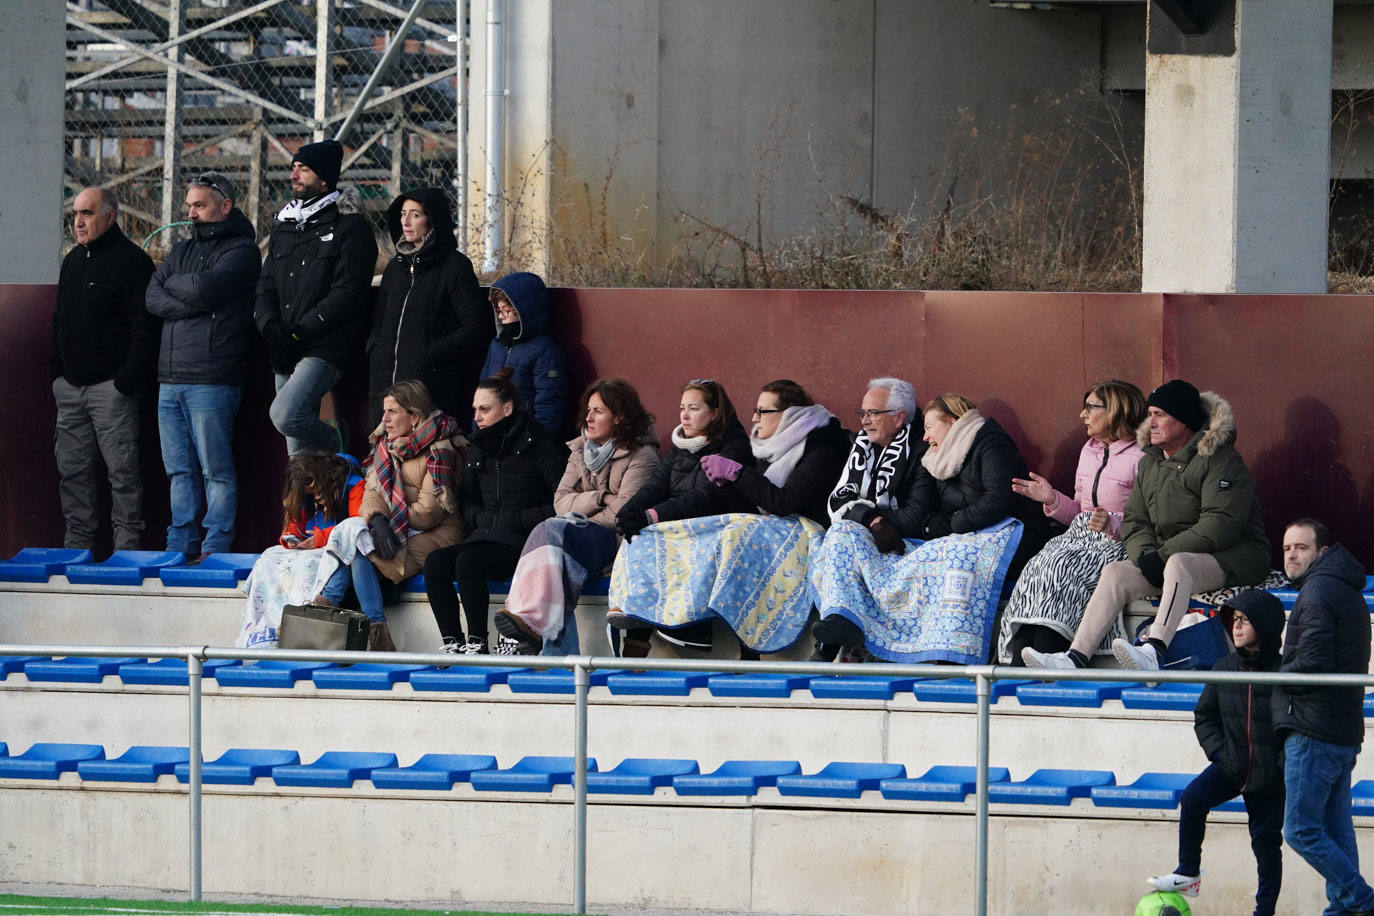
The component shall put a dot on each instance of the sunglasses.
(205, 181)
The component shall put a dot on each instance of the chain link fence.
(157, 92)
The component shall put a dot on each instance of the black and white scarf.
(870, 473)
(299, 212)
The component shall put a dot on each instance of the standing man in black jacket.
(314, 297)
(1322, 728)
(203, 293)
(103, 346)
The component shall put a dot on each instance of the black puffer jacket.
(1233, 722)
(807, 489)
(913, 493)
(680, 488)
(1328, 632)
(511, 472)
(203, 293)
(431, 321)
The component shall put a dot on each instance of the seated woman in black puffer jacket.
(679, 489)
(511, 471)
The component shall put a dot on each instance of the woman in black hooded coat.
(432, 321)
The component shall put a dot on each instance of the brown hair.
(413, 397)
(713, 392)
(953, 406)
(788, 393)
(328, 472)
(500, 384)
(1125, 405)
(632, 423)
(1320, 533)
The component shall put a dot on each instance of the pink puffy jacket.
(1109, 469)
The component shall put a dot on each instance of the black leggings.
(470, 564)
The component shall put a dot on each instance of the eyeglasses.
(1089, 405)
(205, 181)
(866, 414)
(760, 411)
(1238, 617)
(700, 381)
(504, 306)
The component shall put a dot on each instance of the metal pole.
(581, 681)
(171, 127)
(324, 63)
(493, 223)
(980, 867)
(194, 671)
(460, 171)
(398, 42)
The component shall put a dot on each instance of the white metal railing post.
(980, 865)
(581, 681)
(194, 672)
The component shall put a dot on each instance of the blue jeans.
(363, 575)
(1316, 818)
(196, 426)
(295, 411)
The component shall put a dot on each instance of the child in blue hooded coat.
(520, 303)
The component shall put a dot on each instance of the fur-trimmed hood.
(1220, 429)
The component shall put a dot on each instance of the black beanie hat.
(324, 158)
(1181, 401)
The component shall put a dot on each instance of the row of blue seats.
(131, 567)
(370, 676)
(633, 776)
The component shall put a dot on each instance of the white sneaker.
(452, 646)
(475, 645)
(1139, 658)
(506, 646)
(1186, 885)
(1034, 659)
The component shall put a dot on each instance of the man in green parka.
(1192, 524)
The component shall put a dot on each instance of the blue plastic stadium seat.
(841, 780)
(9, 664)
(433, 771)
(1180, 697)
(464, 678)
(1051, 787)
(962, 690)
(551, 680)
(1369, 704)
(736, 777)
(1287, 597)
(4, 749)
(757, 685)
(640, 775)
(530, 774)
(865, 687)
(124, 567)
(600, 587)
(81, 670)
(37, 564)
(415, 585)
(48, 761)
(169, 671)
(141, 763)
(270, 673)
(366, 676)
(497, 586)
(333, 769)
(941, 783)
(1362, 797)
(1151, 790)
(657, 683)
(1071, 693)
(218, 570)
(1235, 804)
(238, 766)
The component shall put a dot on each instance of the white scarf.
(594, 456)
(784, 448)
(298, 211)
(947, 460)
(693, 444)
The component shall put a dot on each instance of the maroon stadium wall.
(1294, 368)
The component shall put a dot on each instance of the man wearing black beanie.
(315, 295)
(1192, 524)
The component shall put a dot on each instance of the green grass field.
(75, 906)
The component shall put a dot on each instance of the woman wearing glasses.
(644, 577)
(1047, 604)
(520, 305)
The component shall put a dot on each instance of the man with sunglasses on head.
(315, 295)
(203, 293)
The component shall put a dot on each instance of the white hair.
(900, 395)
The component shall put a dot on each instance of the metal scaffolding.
(157, 92)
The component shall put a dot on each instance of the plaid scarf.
(430, 435)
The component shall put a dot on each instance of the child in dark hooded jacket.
(1234, 725)
(520, 304)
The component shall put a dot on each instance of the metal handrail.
(582, 666)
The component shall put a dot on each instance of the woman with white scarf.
(748, 569)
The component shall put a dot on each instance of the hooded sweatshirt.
(430, 322)
(1233, 722)
(534, 358)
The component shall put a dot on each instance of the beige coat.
(438, 525)
(599, 496)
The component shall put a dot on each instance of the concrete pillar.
(31, 104)
(1237, 150)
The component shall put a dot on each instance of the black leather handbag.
(319, 626)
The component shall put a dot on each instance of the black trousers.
(470, 564)
(1213, 787)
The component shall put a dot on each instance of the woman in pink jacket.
(1047, 604)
